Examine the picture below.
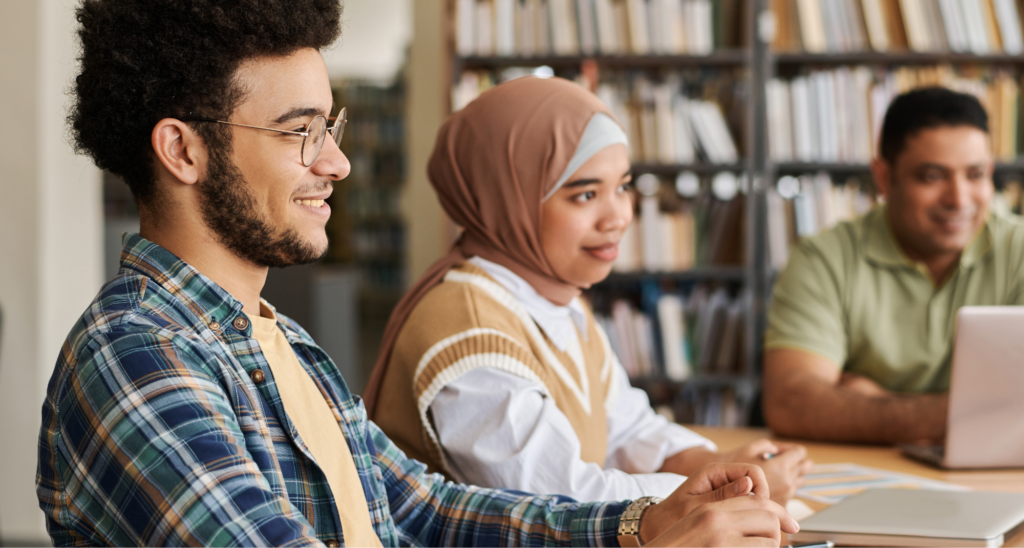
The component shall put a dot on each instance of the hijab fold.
(493, 165)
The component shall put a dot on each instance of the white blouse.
(500, 430)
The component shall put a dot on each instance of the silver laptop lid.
(940, 514)
(986, 397)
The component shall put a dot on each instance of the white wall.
(429, 231)
(374, 37)
(50, 238)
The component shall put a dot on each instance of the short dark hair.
(926, 108)
(145, 60)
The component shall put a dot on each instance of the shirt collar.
(207, 300)
(559, 323)
(883, 249)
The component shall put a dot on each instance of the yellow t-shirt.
(851, 295)
(318, 428)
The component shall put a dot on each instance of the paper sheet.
(831, 483)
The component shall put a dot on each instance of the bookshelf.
(848, 50)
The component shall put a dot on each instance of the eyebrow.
(299, 112)
(929, 165)
(585, 182)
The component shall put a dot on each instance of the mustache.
(315, 187)
(952, 214)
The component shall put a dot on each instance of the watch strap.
(629, 523)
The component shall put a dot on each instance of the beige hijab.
(493, 164)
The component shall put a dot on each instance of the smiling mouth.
(311, 203)
(606, 252)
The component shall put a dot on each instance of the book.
(465, 16)
(673, 336)
(484, 32)
(505, 27)
(1009, 26)
(812, 26)
(608, 39)
(587, 27)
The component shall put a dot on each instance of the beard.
(231, 211)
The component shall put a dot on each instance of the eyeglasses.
(312, 136)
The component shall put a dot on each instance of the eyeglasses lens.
(338, 131)
(312, 144)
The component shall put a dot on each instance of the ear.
(180, 151)
(881, 171)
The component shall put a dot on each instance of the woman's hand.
(785, 466)
(719, 504)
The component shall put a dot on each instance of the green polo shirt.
(851, 295)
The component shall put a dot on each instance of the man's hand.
(739, 521)
(785, 467)
(708, 499)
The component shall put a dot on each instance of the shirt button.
(257, 376)
(332, 543)
(240, 323)
(215, 326)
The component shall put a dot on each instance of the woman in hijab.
(492, 370)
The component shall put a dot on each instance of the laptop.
(986, 393)
(906, 517)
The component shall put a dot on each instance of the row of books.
(701, 333)
(710, 406)
(673, 232)
(673, 121)
(589, 27)
(803, 206)
(961, 26)
(676, 120)
(836, 115)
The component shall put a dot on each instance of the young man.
(183, 410)
(861, 326)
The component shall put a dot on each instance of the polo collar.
(205, 299)
(883, 249)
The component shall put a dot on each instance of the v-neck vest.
(470, 321)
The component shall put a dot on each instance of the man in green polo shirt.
(860, 330)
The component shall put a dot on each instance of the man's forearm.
(832, 413)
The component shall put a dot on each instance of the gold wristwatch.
(629, 523)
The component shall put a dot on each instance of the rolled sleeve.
(806, 310)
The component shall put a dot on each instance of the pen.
(819, 544)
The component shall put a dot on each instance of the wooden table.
(888, 458)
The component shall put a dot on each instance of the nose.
(617, 213)
(958, 193)
(332, 162)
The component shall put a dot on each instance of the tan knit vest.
(470, 321)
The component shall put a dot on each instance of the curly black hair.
(146, 60)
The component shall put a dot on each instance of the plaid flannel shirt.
(154, 432)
